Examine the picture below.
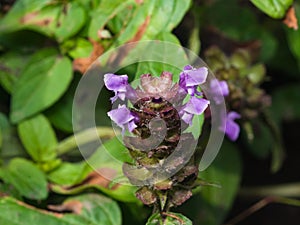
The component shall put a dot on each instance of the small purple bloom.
(191, 78)
(123, 117)
(232, 129)
(118, 84)
(219, 89)
(195, 106)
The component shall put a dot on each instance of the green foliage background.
(47, 45)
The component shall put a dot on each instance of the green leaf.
(171, 219)
(166, 60)
(43, 81)
(26, 178)
(11, 145)
(38, 138)
(149, 19)
(105, 12)
(60, 114)
(52, 19)
(107, 162)
(274, 8)
(8, 189)
(70, 21)
(11, 64)
(80, 48)
(69, 174)
(88, 209)
(13, 20)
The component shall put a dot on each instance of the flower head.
(123, 117)
(156, 93)
(191, 78)
(232, 129)
(195, 106)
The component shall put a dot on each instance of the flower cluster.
(162, 87)
(160, 111)
(245, 99)
(158, 88)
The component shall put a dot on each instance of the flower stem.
(84, 137)
(261, 204)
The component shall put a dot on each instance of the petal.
(116, 82)
(188, 67)
(217, 86)
(232, 128)
(131, 126)
(196, 105)
(232, 115)
(131, 94)
(187, 118)
(224, 87)
(196, 77)
(219, 89)
(182, 80)
(121, 115)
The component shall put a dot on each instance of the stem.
(283, 190)
(173, 216)
(84, 137)
(261, 204)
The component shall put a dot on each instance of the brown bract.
(290, 19)
(157, 86)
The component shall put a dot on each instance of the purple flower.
(195, 106)
(123, 118)
(219, 90)
(232, 129)
(118, 84)
(190, 79)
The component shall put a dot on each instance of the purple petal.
(188, 67)
(116, 83)
(197, 76)
(123, 117)
(131, 126)
(196, 105)
(131, 94)
(232, 128)
(224, 88)
(219, 89)
(187, 118)
(191, 78)
(217, 86)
